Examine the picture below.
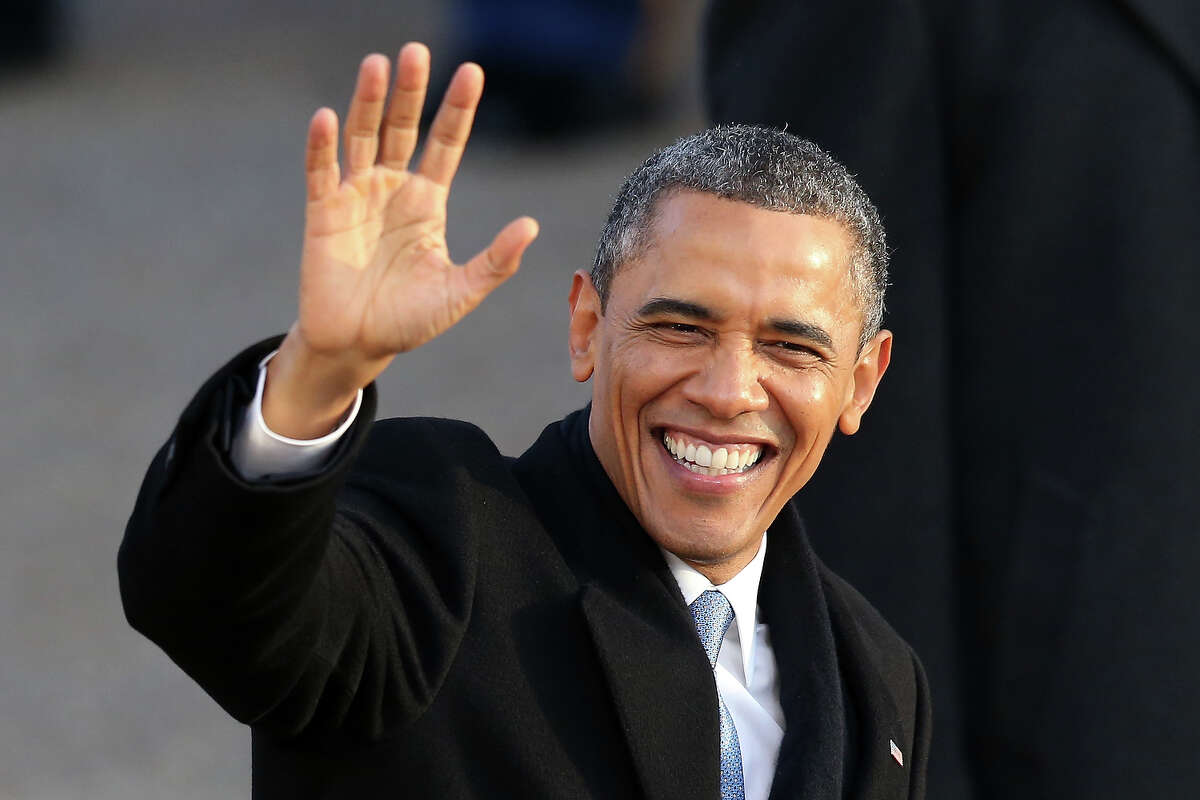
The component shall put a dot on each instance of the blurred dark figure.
(535, 49)
(30, 33)
(1037, 165)
(609, 62)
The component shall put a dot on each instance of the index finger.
(452, 126)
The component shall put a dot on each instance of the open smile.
(712, 459)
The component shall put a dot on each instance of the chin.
(700, 546)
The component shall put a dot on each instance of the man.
(1037, 165)
(631, 608)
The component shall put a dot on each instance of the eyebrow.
(804, 330)
(669, 305)
(789, 327)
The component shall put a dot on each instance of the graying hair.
(765, 167)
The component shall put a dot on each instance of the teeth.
(701, 460)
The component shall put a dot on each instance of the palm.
(375, 273)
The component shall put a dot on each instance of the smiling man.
(631, 608)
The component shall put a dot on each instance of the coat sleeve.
(319, 605)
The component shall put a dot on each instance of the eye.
(677, 327)
(795, 351)
(677, 333)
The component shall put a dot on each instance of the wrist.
(307, 394)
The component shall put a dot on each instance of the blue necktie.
(712, 613)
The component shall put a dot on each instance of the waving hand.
(376, 277)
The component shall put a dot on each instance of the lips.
(708, 458)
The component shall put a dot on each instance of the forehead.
(727, 253)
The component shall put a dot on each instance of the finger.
(404, 112)
(452, 125)
(366, 112)
(320, 160)
(500, 260)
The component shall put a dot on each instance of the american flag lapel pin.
(896, 754)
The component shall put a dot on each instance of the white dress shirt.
(257, 451)
(747, 676)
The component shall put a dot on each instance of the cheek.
(638, 373)
(808, 403)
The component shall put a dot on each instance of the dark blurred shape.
(554, 67)
(1021, 503)
(30, 33)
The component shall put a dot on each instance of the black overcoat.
(427, 618)
(1033, 452)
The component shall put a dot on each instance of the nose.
(728, 383)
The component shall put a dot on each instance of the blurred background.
(1021, 503)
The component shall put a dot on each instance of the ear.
(868, 372)
(585, 318)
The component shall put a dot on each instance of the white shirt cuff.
(257, 451)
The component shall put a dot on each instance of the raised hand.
(376, 277)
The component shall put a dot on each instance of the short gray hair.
(765, 167)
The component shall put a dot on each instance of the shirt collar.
(741, 590)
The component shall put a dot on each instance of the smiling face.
(724, 360)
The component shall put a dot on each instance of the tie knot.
(712, 613)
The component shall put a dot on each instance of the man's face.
(732, 339)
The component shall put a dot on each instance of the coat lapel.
(842, 716)
(664, 693)
(661, 683)
(792, 602)
(877, 723)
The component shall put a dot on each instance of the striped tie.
(712, 613)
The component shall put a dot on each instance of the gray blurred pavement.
(150, 218)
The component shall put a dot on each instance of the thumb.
(500, 260)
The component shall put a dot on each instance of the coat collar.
(660, 679)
